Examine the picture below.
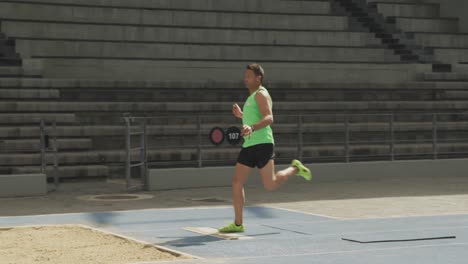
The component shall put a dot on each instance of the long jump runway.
(276, 235)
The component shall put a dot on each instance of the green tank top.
(251, 115)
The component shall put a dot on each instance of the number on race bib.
(233, 135)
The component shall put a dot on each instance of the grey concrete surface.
(163, 179)
(49, 30)
(18, 185)
(267, 6)
(441, 40)
(135, 70)
(400, 195)
(9, 10)
(435, 25)
(408, 10)
(449, 55)
(141, 51)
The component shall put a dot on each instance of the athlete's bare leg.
(271, 180)
(238, 195)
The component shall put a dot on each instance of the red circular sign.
(217, 135)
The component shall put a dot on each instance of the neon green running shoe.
(232, 228)
(303, 171)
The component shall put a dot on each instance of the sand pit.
(73, 244)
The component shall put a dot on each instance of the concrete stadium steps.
(102, 136)
(191, 40)
(447, 76)
(408, 9)
(236, 95)
(109, 121)
(322, 72)
(457, 95)
(29, 94)
(286, 154)
(13, 71)
(124, 53)
(266, 6)
(458, 75)
(6, 46)
(230, 154)
(77, 163)
(183, 52)
(286, 91)
(130, 92)
(156, 34)
(168, 95)
(64, 13)
(438, 40)
(35, 118)
(461, 67)
(29, 110)
(400, 1)
(79, 131)
(90, 85)
(68, 171)
(10, 61)
(86, 158)
(451, 55)
(322, 135)
(33, 145)
(379, 152)
(433, 25)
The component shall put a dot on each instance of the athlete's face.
(250, 80)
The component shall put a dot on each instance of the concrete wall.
(163, 179)
(18, 185)
(215, 71)
(448, 8)
(455, 8)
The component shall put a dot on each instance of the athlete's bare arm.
(237, 111)
(264, 104)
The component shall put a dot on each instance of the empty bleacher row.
(423, 24)
(169, 59)
(90, 128)
(60, 40)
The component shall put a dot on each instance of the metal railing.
(48, 144)
(389, 125)
(142, 163)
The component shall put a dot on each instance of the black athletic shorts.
(257, 155)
